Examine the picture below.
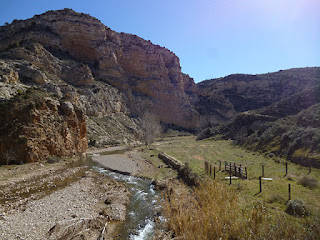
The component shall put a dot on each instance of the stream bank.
(76, 199)
(63, 200)
(142, 210)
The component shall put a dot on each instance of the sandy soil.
(129, 162)
(117, 162)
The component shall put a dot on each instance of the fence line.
(236, 170)
(232, 168)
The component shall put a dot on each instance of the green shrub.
(92, 143)
(297, 207)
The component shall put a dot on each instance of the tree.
(150, 127)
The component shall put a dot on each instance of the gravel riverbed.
(86, 208)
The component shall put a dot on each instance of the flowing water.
(139, 223)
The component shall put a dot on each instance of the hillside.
(221, 99)
(288, 128)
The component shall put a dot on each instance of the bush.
(297, 207)
(188, 176)
(53, 159)
(308, 181)
(290, 177)
(92, 143)
(206, 133)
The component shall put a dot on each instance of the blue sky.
(212, 38)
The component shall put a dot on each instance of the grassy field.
(217, 210)
(274, 192)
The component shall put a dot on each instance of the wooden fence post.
(286, 169)
(260, 183)
(210, 169)
(240, 174)
(245, 168)
(309, 170)
(219, 165)
(214, 172)
(289, 191)
(230, 175)
(225, 166)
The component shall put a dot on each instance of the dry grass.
(308, 181)
(213, 211)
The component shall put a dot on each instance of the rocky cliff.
(34, 126)
(148, 75)
(109, 79)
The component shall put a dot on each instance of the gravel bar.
(117, 162)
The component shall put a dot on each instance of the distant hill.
(221, 99)
(289, 128)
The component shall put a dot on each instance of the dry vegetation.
(213, 211)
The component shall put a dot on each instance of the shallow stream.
(141, 211)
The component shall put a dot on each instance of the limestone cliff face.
(35, 126)
(144, 72)
(91, 78)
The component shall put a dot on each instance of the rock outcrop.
(149, 75)
(35, 126)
